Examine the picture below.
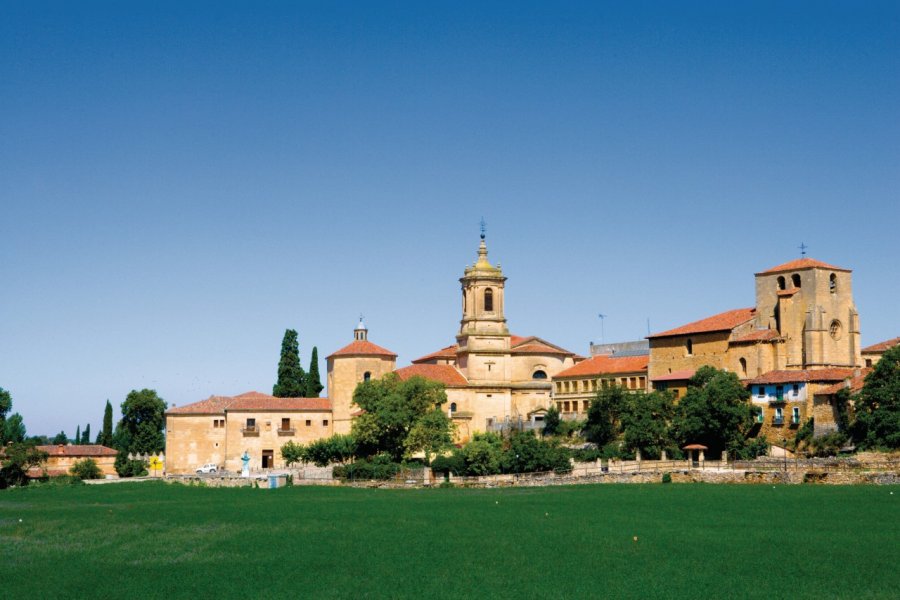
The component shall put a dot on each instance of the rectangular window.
(759, 416)
(761, 392)
(308, 423)
(779, 392)
(324, 422)
(632, 382)
(795, 416)
(779, 417)
(796, 389)
(251, 423)
(587, 405)
(285, 423)
(642, 382)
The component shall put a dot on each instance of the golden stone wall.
(344, 374)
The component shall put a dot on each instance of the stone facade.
(61, 458)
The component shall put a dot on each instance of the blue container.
(273, 482)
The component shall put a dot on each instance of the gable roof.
(600, 365)
(854, 384)
(534, 345)
(218, 405)
(801, 376)
(77, 450)
(725, 321)
(446, 374)
(882, 346)
(448, 353)
(362, 348)
(800, 264)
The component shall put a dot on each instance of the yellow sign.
(155, 463)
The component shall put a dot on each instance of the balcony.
(777, 400)
(777, 420)
(289, 431)
(250, 430)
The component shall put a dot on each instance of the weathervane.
(803, 248)
(483, 227)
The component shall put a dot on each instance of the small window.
(367, 376)
(324, 422)
(868, 362)
(796, 389)
(759, 416)
(309, 423)
(834, 330)
(743, 363)
(488, 300)
(779, 392)
(795, 279)
(539, 374)
(285, 424)
(452, 407)
(689, 346)
(832, 283)
(779, 416)
(761, 392)
(795, 415)
(251, 423)
(781, 282)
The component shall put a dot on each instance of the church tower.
(483, 337)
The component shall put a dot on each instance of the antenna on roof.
(602, 316)
(803, 248)
(648, 325)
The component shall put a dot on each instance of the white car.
(208, 468)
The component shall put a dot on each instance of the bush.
(129, 468)
(525, 453)
(379, 467)
(827, 445)
(86, 469)
(667, 478)
(454, 463)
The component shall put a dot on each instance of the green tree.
(551, 421)
(60, 438)
(877, 405)
(483, 454)
(646, 420)
(292, 453)
(86, 469)
(77, 439)
(335, 449)
(14, 429)
(525, 453)
(313, 383)
(17, 458)
(143, 420)
(5, 407)
(129, 468)
(86, 434)
(392, 408)
(432, 433)
(602, 425)
(715, 412)
(291, 378)
(105, 437)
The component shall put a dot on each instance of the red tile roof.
(721, 322)
(446, 374)
(854, 384)
(760, 335)
(802, 263)
(682, 375)
(448, 353)
(217, 405)
(801, 375)
(534, 345)
(601, 365)
(78, 450)
(882, 346)
(363, 348)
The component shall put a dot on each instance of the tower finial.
(483, 227)
(803, 248)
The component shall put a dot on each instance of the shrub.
(86, 469)
(129, 468)
(827, 445)
(379, 466)
(454, 463)
(667, 478)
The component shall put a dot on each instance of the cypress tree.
(105, 437)
(77, 439)
(313, 383)
(291, 378)
(86, 436)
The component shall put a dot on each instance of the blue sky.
(181, 182)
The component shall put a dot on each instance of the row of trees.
(293, 381)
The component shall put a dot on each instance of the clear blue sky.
(181, 182)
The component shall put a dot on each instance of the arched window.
(689, 346)
(743, 362)
(367, 376)
(795, 279)
(781, 282)
(464, 300)
(832, 283)
(539, 374)
(488, 300)
(452, 407)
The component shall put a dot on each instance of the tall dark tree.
(551, 421)
(5, 407)
(291, 378)
(646, 420)
(313, 382)
(77, 439)
(14, 429)
(105, 437)
(602, 425)
(143, 419)
(877, 406)
(86, 434)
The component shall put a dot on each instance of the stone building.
(872, 354)
(574, 387)
(62, 457)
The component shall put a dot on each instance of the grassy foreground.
(154, 540)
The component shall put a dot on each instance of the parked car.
(208, 468)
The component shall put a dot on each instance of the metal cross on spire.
(483, 227)
(803, 248)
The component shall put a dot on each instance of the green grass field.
(154, 540)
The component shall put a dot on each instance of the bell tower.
(483, 336)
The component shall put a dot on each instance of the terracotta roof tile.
(802, 263)
(600, 365)
(448, 353)
(720, 322)
(78, 450)
(801, 375)
(446, 374)
(250, 401)
(534, 345)
(882, 346)
(854, 384)
(682, 375)
(363, 348)
(760, 335)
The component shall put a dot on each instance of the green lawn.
(693, 541)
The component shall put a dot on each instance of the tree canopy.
(645, 421)
(603, 415)
(105, 437)
(393, 408)
(877, 405)
(143, 419)
(313, 382)
(291, 377)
